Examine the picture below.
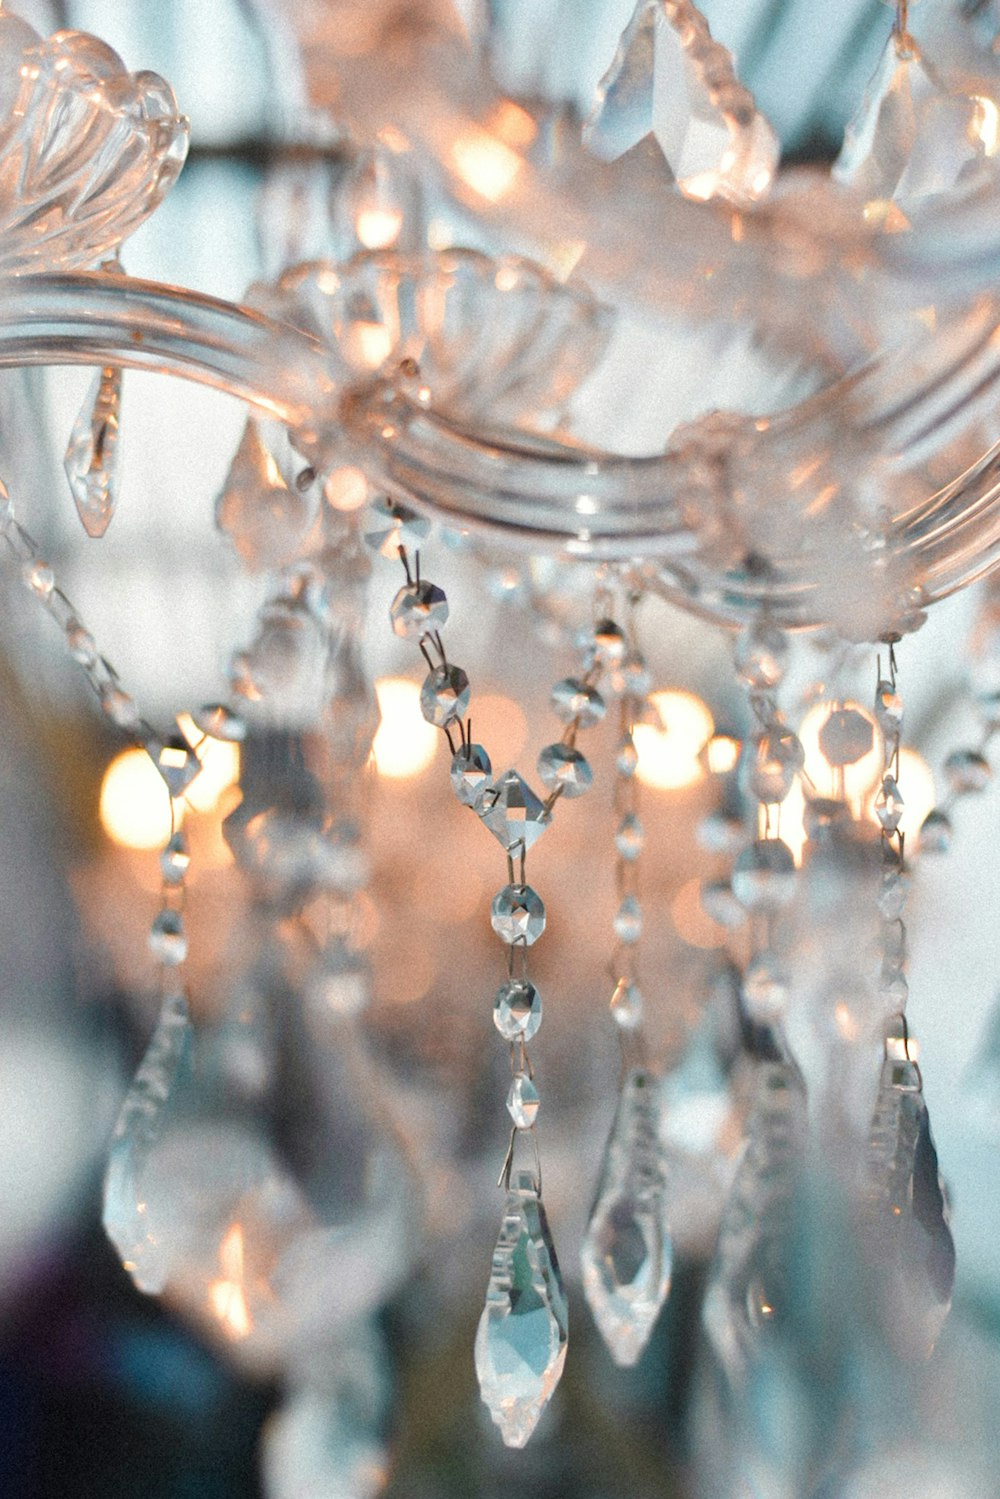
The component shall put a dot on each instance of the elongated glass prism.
(91, 461)
(627, 1253)
(139, 1127)
(522, 1334)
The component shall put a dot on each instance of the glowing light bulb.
(405, 743)
(668, 756)
(859, 778)
(346, 489)
(134, 805)
(485, 164)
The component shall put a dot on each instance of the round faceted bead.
(518, 915)
(609, 642)
(628, 920)
(630, 837)
(846, 737)
(523, 1101)
(764, 875)
(174, 860)
(470, 772)
(761, 655)
(220, 722)
(626, 1005)
(417, 609)
(574, 702)
(720, 904)
(626, 757)
(517, 1010)
(888, 711)
(823, 817)
(82, 646)
(889, 805)
(935, 833)
(968, 772)
(39, 577)
(765, 989)
(559, 766)
(445, 695)
(167, 938)
(777, 758)
(894, 991)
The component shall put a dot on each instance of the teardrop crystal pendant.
(91, 461)
(140, 1124)
(905, 1209)
(268, 501)
(627, 1254)
(744, 1293)
(670, 80)
(522, 1334)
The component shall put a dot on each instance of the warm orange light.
(859, 778)
(485, 164)
(669, 756)
(226, 1296)
(405, 743)
(220, 766)
(985, 126)
(134, 804)
(367, 344)
(378, 226)
(346, 489)
(722, 753)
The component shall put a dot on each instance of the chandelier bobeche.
(448, 370)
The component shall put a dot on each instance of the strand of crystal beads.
(627, 1253)
(893, 987)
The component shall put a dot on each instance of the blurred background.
(106, 1393)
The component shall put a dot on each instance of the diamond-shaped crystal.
(968, 772)
(220, 722)
(523, 1101)
(168, 939)
(81, 644)
(91, 460)
(522, 1334)
(417, 609)
(470, 772)
(889, 805)
(628, 920)
(669, 79)
(630, 837)
(846, 737)
(764, 875)
(517, 1010)
(176, 762)
(390, 526)
(445, 695)
(627, 1254)
(174, 860)
(573, 701)
(935, 833)
(517, 915)
(512, 812)
(39, 577)
(562, 767)
(626, 1005)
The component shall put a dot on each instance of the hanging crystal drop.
(262, 511)
(91, 461)
(627, 1005)
(522, 1334)
(139, 1126)
(627, 1254)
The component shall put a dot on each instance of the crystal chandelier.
(592, 350)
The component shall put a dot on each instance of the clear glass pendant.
(269, 500)
(523, 1330)
(91, 460)
(627, 1253)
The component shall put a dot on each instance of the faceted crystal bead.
(119, 707)
(889, 805)
(626, 758)
(91, 461)
(517, 915)
(522, 1334)
(138, 1128)
(81, 644)
(561, 766)
(512, 812)
(893, 889)
(574, 702)
(417, 609)
(262, 512)
(470, 773)
(630, 837)
(761, 656)
(517, 1010)
(627, 1254)
(168, 939)
(935, 833)
(174, 860)
(888, 711)
(720, 904)
(777, 759)
(626, 1005)
(631, 677)
(765, 989)
(390, 526)
(220, 722)
(609, 642)
(628, 920)
(764, 875)
(846, 737)
(445, 695)
(39, 577)
(523, 1101)
(968, 772)
(176, 762)
(670, 80)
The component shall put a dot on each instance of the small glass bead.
(517, 1010)
(626, 758)
(761, 655)
(82, 646)
(220, 722)
(175, 860)
(470, 772)
(720, 904)
(445, 695)
(892, 894)
(517, 915)
(889, 805)
(523, 1101)
(609, 642)
(764, 875)
(390, 526)
(418, 608)
(846, 737)
(626, 1005)
(176, 762)
(574, 702)
(561, 766)
(630, 838)
(167, 938)
(765, 989)
(39, 577)
(631, 676)
(628, 920)
(968, 772)
(776, 760)
(888, 711)
(895, 991)
(120, 708)
(935, 833)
